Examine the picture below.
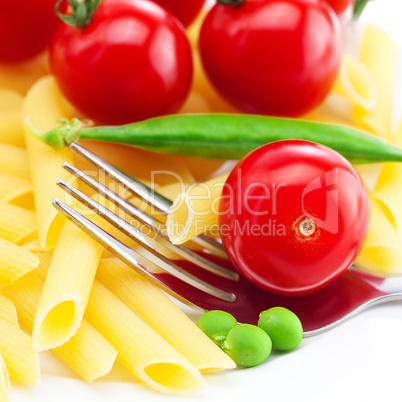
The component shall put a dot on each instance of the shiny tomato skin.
(340, 6)
(186, 11)
(26, 28)
(132, 62)
(272, 57)
(269, 197)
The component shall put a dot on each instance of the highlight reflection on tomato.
(294, 215)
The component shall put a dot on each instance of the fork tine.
(144, 219)
(147, 194)
(128, 255)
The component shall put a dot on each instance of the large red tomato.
(133, 61)
(26, 28)
(294, 216)
(273, 57)
(186, 11)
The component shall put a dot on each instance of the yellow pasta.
(88, 353)
(43, 106)
(15, 190)
(356, 83)
(67, 287)
(388, 191)
(35, 247)
(5, 386)
(20, 358)
(195, 211)
(378, 53)
(14, 161)
(140, 349)
(8, 311)
(20, 76)
(15, 261)
(158, 311)
(17, 224)
(382, 252)
(10, 117)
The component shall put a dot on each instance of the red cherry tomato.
(274, 57)
(186, 11)
(339, 6)
(132, 62)
(294, 215)
(26, 28)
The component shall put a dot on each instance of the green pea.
(283, 327)
(247, 345)
(216, 324)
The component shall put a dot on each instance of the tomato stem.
(231, 2)
(82, 12)
(359, 7)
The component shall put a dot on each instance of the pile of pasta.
(61, 291)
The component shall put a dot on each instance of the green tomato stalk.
(83, 11)
(359, 7)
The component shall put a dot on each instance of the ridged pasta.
(67, 287)
(17, 224)
(15, 261)
(140, 349)
(376, 51)
(14, 161)
(88, 353)
(20, 358)
(43, 106)
(195, 210)
(158, 311)
(8, 311)
(5, 386)
(15, 190)
(10, 117)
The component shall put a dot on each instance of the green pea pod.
(226, 136)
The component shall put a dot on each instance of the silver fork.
(206, 279)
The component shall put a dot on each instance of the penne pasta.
(15, 190)
(10, 117)
(20, 76)
(378, 53)
(44, 106)
(67, 287)
(382, 251)
(15, 261)
(16, 348)
(140, 349)
(196, 210)
(17, 224)
(356, 84)
(14, 161)
(154, 307)
(88, 353)
(388, 191)
(5, 387)
(8, 312)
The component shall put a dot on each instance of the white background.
(361, 360)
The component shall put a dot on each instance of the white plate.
(361, 360)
